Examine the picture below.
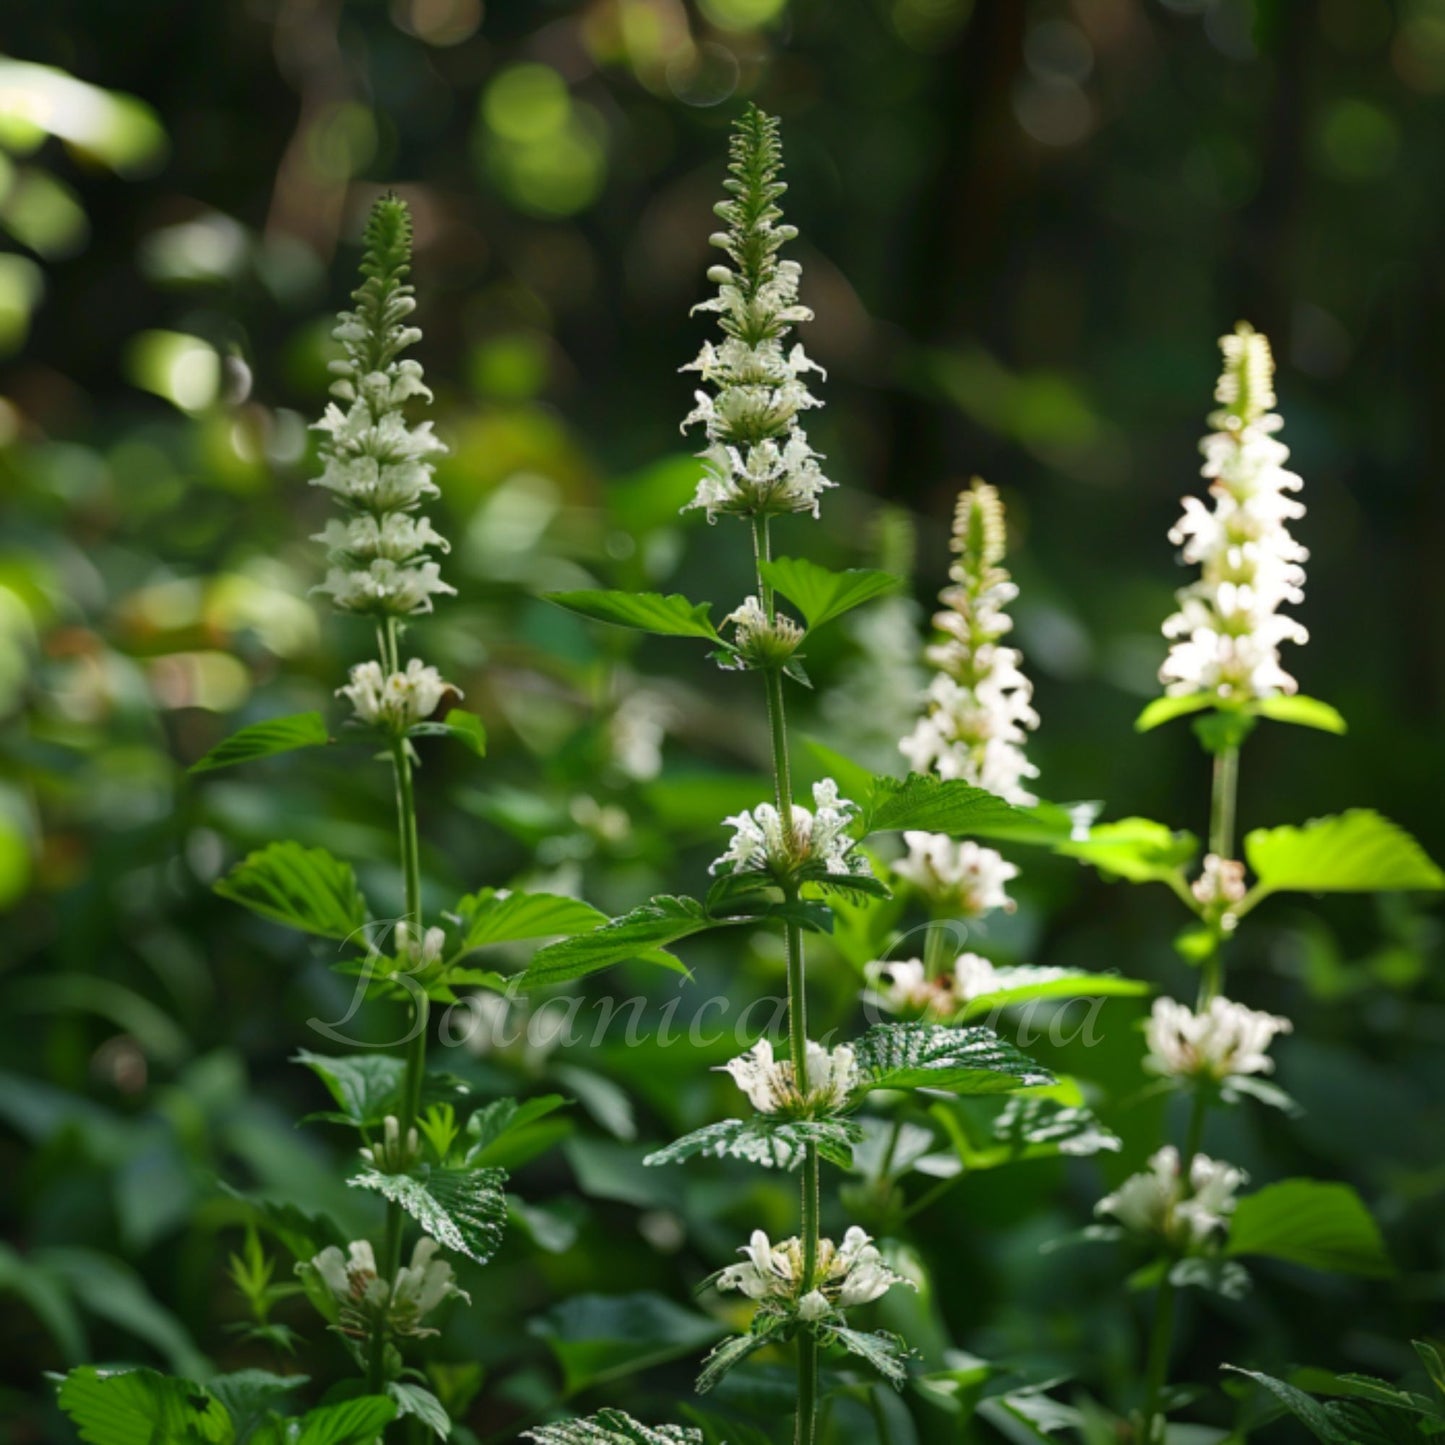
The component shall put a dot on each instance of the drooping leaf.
(496, 916)
(1308, 712)
(1321, 1225)
(265, 739)
(419, 1402)
(1354, 852)
(886, 1352)
(142, 1407)
(821, 595)
(1026, 983)
(1136, 849)
(466, 727)
(304, 887)
(968, 1060)
(641, 934)
(612, 1427)
(773, 1143)
(1166, 709)
(464, 1210)
(672, 616)
(596, 1337)
(731, 1352)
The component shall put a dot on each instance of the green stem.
(1223, 802)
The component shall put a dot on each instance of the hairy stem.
(1223, 801)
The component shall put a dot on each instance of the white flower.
(771, 1087)
(384, 588)
(360, 1303)
(391, 1154)
(819, 838)
(1158, 1202)
(395, 700)
(1221, 883)
(979, 704)
(761, 641)
(1224, 1041)
(957, 875)
(904, 986)
(1228, 629)
(852, 1273)
(758, 461)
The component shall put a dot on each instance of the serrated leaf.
(1026, 983)
(1033, 1125)
(266, 739)
(503, 1134)
(773, 1143)
(250, 1395)
(1326, 1422)
(304, 887)
(936, 805)
(1354, 852)
(821, 595)
(969, 1060)
(366, 1086)
(1320, 1225)
(885, 1352)
(357, 1421)
(1308, 712)
(464, 1210)
(496, 916)
(419, 1402)
(142, 1407)
(731, 1352)
(612, 1427)
(1166, 709)
(466, 727)
(1433, 1359)
(1136, 849)
(643, 934)
(671, 616)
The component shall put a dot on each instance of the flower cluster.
(772, 1087)
(760, 641)
(1161, 1202)
(818, 840)
(1228, 628)
(758, 461)
(392, 1154)
(851, 1273)
(394, 701)
(979, 702)
(377, 465)
(1220, 885)
(905, 986)
(962, 877)
(360, 1303)
(1223, 1041)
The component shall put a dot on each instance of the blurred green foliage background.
(1022, 227)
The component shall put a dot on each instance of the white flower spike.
(1228, 629)
(852, 1273)
(979, 704)
(397, 700)
(961, 876)
(819, 839)
(1224, 1041)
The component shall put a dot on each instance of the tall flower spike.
(1228, 629)
(377, 465)
(979, 704)
(758, 461)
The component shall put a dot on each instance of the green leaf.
(1034, 1126)
(612, 1427)
(420, 1404)
(673, 616)
(854, 780)
(1307, 712)
(1225, 1277)
(366, 1086)
(357, 1421)
(641, 934)
(250, 1395)
(1433, 1359)
(497, 916)
(462, 1209)
(466, 727)
(821, 595)
(731, 1352)
(304, 887)
(885, 1352)
(1026, 983)
(142, 1407)
(1304, 1221)
(505, 1135)
(1323, 1421)
(970, 1060)
(936, 805)
(264, 739)
(1166, 709)
(1353, 852)
(764, 1139)
(596, 1338)
(1135, 849)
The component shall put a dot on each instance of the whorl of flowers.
(394, 701)
(961, 876)
(1221, 1042)
(359, 1303)
(819, 840)
(377, 465)
(1161, 1202)
(760, 641)
(979, 704)
(758, 461)
(851, 1273)
(905, 986)
(772, 1088)
(1228, 628)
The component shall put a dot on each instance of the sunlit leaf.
(352, 1422)
(971, 1060)
(464, 1210)
(1136, 849)
(142, 1407)
(762, 1139)
(821, 595)
(1305, 1221)
(1027, 983)
(466, 727)
(304, 887)
(673, 616)
(1307, 712)
(1353, 852)
(1166, 709)
(264, 739)
(496, 916)
(611, 1427)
